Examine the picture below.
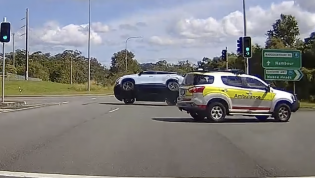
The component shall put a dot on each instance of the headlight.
(293, 98)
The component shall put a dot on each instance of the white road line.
(39, 175)
(93, 98)
(113, 110)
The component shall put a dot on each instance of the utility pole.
(71, 70)
(26, 18)
(13, 49)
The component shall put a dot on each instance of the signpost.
(283, 75)
(281, 59)
(282, 65)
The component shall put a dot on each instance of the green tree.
(285, 29)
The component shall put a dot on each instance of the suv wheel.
(197, 116)
(128, 85)
(129, 101)
(173, 86)
(282, 113)
(216, 112)
(170, 102)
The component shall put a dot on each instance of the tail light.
(196, 89)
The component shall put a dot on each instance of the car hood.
(130, 76)
(280, 92)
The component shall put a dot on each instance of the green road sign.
(283, 75)
(281, 59)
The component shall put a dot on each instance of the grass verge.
(25, 88)
(307, 105)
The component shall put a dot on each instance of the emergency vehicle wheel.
(197, 116)
(282, 113)
(216, 112)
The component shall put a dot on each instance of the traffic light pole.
(3, 66)
(245, 33)
(227, 59)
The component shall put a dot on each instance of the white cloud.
(51, 33)
(191, 30)
(259, 20)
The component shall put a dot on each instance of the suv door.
(146, 77)
(237, 92)
(261, 99)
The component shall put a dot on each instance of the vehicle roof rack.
(234, 71)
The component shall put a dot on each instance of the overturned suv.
(148, 86)
(215, 94)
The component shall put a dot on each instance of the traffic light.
(224, 54)
(5, 32)
(240, 46)
(247, 47)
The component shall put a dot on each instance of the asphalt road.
(100, 136)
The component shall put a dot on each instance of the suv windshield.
(197, 79)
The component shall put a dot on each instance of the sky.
(171, 30)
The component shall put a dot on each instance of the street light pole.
(126, 56)
(89, 49)
(245, 33)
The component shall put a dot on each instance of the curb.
(32, 107)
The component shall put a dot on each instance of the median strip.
(27, 107)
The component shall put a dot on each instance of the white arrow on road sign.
(268, 62)
(298, 74)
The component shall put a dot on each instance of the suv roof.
(219, 72)
(158, 72)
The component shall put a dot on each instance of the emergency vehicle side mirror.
(268, 88)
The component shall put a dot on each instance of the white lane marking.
(113, 110)
(40, 175)
(65, 102)
(93, 98)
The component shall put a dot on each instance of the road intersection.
(102, 137)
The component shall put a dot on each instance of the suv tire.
(173, 85)
(170, 102)
(129, 100)
(197, 116)
(128, 85)
(282, 113)
(216, 112)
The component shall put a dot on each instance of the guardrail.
(14, 77)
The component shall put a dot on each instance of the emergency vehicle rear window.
(197, 79)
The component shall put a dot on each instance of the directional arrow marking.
(268, 62)
(298, 74)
